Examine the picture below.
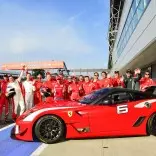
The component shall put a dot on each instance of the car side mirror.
(108, 101)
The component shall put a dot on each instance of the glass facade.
(136, 11)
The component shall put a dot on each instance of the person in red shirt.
(4, 101)
(88, 86)
(67, 83)
(48, 83)
(37, 94)
(96, 82)
(59, 89)
(117, 80)
(81, 81)
(146, 81)
(106, 81)
(74, 89)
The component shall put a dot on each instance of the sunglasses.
(96, 75)
(147, 74)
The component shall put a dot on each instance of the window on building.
(135, 13)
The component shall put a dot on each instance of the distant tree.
(36, 72)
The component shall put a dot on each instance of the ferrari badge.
(70, 113)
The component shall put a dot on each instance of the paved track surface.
(132, 146)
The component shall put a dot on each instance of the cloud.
(26, 33)
(72, 18)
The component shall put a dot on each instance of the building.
(132, 35)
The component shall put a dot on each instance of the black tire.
(49, 129)
(151, 125)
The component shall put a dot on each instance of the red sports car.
(103, 113)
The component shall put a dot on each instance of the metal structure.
(87, 71)
(116, 7)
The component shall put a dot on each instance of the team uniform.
(96, 84)
(3, 99)
(18, 99)
(59, 91)
(49, 85)
(117, 82)
(106, 83)
(29, 89)
(75, 89)
(88, 87)
(146, 82)
(37, 93)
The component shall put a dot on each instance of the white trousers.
(29, 100)
(19, 101)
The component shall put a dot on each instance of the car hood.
(58, 104)
(55, 105)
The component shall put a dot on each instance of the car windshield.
(88, 99)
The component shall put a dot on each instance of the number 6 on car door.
(122, 109)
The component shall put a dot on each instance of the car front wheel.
(151, 125)
(49, 129)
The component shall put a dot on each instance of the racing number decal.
(122, 109)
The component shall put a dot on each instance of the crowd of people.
(32, 91)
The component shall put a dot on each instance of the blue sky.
(71, 30)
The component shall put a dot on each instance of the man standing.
(117, 80)
(4, 100)
(74, 89)
(59, 89)
(29, 89)
(37, 94)
(17, 99)
(88, 86)
(131, 82)
(146, 81)
(106, 80)
(48, 84)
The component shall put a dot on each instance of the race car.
(108, 112)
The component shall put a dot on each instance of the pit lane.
(131, 146)
(126, 146)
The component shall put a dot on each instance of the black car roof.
(114, 89)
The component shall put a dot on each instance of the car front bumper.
(22, 131)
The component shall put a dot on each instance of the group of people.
(25, 94)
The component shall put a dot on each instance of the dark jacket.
(132, 82)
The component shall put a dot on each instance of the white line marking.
(39, 150)
(6, 127)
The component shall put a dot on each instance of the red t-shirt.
(59, 90)
(105, 83)
(146, 82)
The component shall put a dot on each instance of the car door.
(109, 117)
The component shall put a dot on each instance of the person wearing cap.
(146, 81)
(74, 89)
(4, 101)
(18, 98)
(106, 80)
(59, 89)
(37, 94)
(117, 80)
(29, 89)
(130, 81)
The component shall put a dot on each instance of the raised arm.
(21, 74)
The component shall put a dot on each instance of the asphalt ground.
(125, 146)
